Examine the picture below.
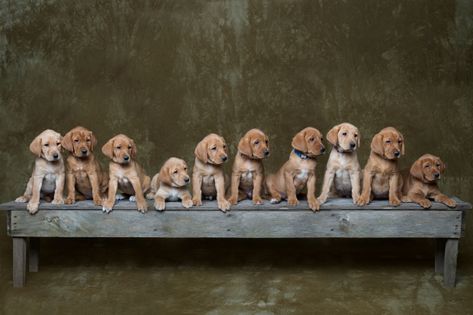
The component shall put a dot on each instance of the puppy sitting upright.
(299, 170)
(420, 184)
(342, 177)
(208, 179)
(381, 176)
(85, 179)
(248, 171)
(125, 173)
(170, 184)
(48, 173)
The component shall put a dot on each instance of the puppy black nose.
(266, 152)
(126, 157)
(55, 155)
(397, 154)
(187, 179)
(322, 150)
(224, 158)
(84, 151)
(352, 145)
(437, 175)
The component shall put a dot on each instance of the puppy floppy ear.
(164, 175)
(201, 151)
(35, 146)
(416, 170)
(358, 139)
(299, 143)
(67, 142)
(402, 144)
(107, 148)
(133, 149)
(244, 146)
(93, 141)
(443, 166)
(377, 144)
(332, 135)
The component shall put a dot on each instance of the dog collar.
(300, 154)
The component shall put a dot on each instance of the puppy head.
(47, 145)
(388, 143)
(345, 137)
(120, 149)
(428, 168)
(79, 141)
(212, 149)
(254, 144)
(309, 141)
(174, 173)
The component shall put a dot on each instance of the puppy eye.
(356, 136)
(257, 142)
(88, 140)
(427, 165)
(344, 134)
(119, 147)
(224, 146)
(214, 148)
(59, 143)
(388, 141)
(175, 172)
(185, 168)
(76, 140)
(266, 141)
(129, 147)
(399, 141)
(46, 144)
(311, 139)
(438, 164)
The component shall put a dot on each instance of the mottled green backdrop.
(166, 73)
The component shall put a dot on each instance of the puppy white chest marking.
(303, 174)
(49, 183)
(173, 195)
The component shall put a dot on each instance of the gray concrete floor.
(117, 276)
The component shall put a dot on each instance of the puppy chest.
(342, 180)
(208, 181)
(247, 176)
(49, 183)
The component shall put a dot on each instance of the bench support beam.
(450, 262)
(19, 261)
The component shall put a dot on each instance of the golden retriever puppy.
(208, 179)
(170, 184)
(48, 173)
(420, 183)
(381, 176)
(84, 176)
(248, 171)
(342, 176)
(125, 173)
(299, 170)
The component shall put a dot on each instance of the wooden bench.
(338, 218)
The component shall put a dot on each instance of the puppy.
(48, 173)
(299, 170)
(248, 171)
(208, 179)
(420, 183)
(125, 173)
(85, 179)
(342, 177)
(170, 184)
(381, 177)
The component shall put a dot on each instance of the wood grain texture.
(332, 204)
(450, 263)
(238, 224)
(19, 261)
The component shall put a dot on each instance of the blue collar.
(300, 154)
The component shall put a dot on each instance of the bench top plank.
(246, 205)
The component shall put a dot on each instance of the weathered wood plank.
(450, 262)
(439, 254)
(238, 224)
(246, 205)
(33, 254)
(19, 262)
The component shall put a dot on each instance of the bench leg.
(439, 254)
(450, 262)
(19, 262)
(33, 254)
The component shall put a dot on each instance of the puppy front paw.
(233, 200)
(362, 201)
(223, 205)
(292, 201)
(196, 201)
(142, 206)
(70, 200)
(187, 203)
(425, 203)
(450, 202)
(322, 199)
(159, 205)
(394, 201)
(97, 200)
(257, 200)
(58, 201)
(22, 199)
(32, 207)
(314, 204)
(107, 206)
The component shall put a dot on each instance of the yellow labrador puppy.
(208, 179)
(299, 170)
(48, 173)
(170, 184)
(342, 177)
